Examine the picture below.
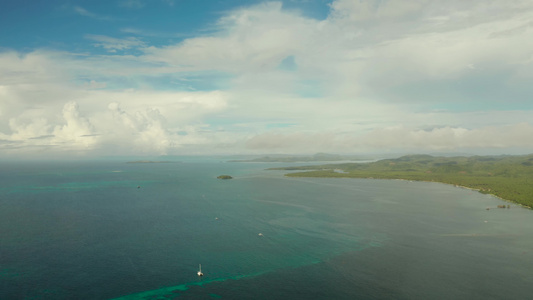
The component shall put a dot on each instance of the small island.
(224, 177)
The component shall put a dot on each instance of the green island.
(224, 177)
(507, 177)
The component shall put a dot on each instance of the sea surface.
(118, 230)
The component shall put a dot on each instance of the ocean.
(117, 230)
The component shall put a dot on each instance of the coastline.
(384, 177)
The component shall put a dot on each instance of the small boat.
(260, 234)
(200, 271)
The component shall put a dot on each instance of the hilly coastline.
(507, 177)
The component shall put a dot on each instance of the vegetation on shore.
(507, 177)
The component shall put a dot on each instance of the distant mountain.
(151, 162)
(315, 157)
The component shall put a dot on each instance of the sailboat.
(200, 271)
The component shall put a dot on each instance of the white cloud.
(397, 43)
(250, 40)
(84, 12)
(370, 10)
(113, 44)
(364, 48)
(142, 132)
(43, 106)
(38, 127)
(77, 130)
(399, 138)
(416, 75)
(450, 138)
(33, 130)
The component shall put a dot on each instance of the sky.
(197, 77)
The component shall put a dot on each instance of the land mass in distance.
(151, 162)
(507, 177)
(317, 157)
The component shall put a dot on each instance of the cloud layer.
(373, 76)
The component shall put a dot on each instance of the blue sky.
(64, 25)
(155, 77)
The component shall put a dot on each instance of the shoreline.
(411, 180)
(509, 178)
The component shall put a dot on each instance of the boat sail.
(200, 271)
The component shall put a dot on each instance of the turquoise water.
(84, 230)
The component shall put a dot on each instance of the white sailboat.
(200, 271)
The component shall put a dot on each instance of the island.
(507, 177)
(151, 162)
(325, 157)
(224, 177)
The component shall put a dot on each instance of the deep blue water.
(84, 230)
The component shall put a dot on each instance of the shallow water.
(86, 231)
